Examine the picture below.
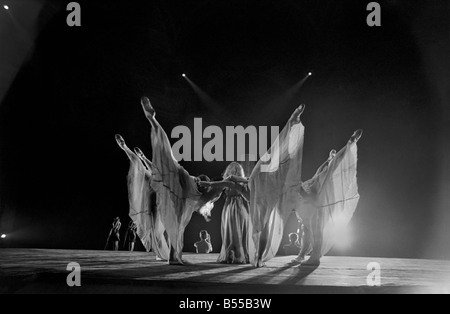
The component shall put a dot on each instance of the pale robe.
(143, 211)
(275, 186)
(178, 196)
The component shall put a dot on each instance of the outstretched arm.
(215, 189)
(228, 184)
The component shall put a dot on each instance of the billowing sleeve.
(143, 211)
(177, 192)
(336, 196)
(274, 192)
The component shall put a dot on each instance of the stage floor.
(45, 271)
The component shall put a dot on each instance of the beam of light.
(205, 98)
(17, 39)
(294, 89)
(3, 236)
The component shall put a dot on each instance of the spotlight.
(3, 236)
(6, 8)
(310, 73)
(183, 75)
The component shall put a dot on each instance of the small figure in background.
(294, 247)
(114, 234)
(204, 245)
(131, 236)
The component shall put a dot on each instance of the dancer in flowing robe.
(235, 218)
(178, 195)
(142, 199)
(329, 200)
(325, 203)
(274, 190)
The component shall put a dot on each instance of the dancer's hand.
(120, 141)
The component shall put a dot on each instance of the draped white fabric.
(142, 210)
(177, 193)
(335, 194)
(274, 192)
(276, 187)
(234, 229)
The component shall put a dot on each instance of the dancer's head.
(203, 235)
(293, 237)
(234, 169)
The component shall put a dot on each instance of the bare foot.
(148, 108)
(295, 118)
(356, 136)
(332, 154)
(120, 141)
(139, 152)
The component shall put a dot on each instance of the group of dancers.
(163, 196)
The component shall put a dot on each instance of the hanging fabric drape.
(143, 210)
(177, 192)
(274, 192)
(334, 191)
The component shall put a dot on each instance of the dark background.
(66, 91)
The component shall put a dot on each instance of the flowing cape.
(336, 190)
(234, 228)
(143, 210)
(177, 193)
(274, 192)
